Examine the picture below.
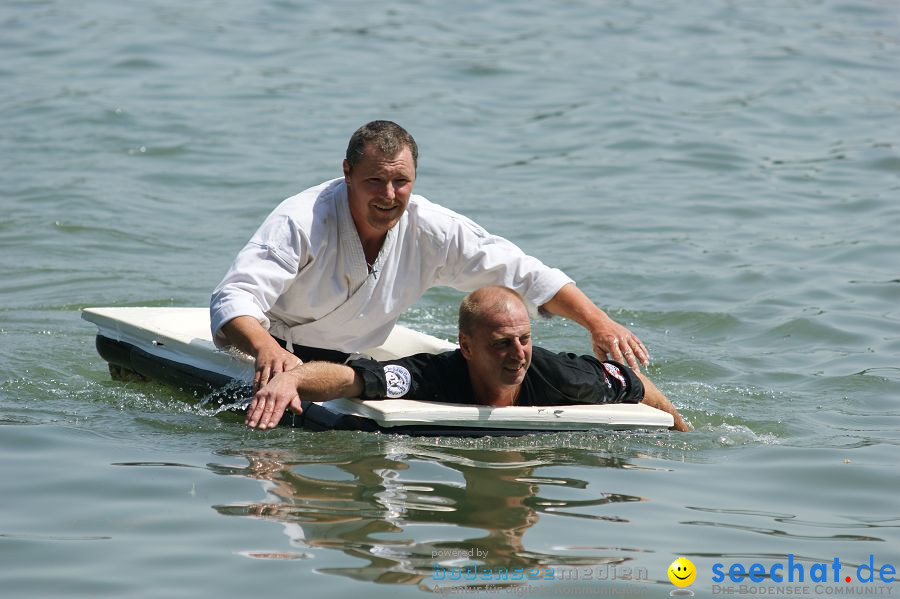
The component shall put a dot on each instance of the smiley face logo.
(682, 572)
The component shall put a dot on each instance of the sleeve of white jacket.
(476, 259)
(261, 272)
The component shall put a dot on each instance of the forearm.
(323, 381)
(570, 302)
(655, 398)
(248, 335)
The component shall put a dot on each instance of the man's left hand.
(610, 339)
(614, 341)
(270, 402)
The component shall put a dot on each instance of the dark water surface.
(720, 176)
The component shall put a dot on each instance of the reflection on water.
(410, 510)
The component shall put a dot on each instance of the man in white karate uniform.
(331, 269)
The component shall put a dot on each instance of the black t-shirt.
(552, 380)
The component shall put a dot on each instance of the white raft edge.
(404, 412)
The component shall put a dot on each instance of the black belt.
(315, 354)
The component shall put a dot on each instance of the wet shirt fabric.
(303, 274)
(552, 380)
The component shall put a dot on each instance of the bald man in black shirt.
(495, 365)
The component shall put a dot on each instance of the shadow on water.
(412, 515)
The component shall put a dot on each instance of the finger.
(642, 355)
(273, 412)
(295, 406)
(264, 401)
(256, 377)
(679, 425)
(627, 353)
(250, 409)
(255, 410)
(266, 375)
(640, 350)
(616, 350)
(275, 415)
(266, 415)
(260, 417)
(631, 360)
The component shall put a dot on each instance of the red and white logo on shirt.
(614, 371)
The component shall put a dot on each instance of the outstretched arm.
(609, 337)
(314, 381)
(654, 398)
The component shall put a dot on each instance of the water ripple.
(781, 533)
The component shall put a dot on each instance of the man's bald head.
(495, 341)
(487, 301)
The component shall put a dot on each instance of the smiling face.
(498, 348)
(682, 572)
(378, 188)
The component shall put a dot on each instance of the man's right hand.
(271, 360)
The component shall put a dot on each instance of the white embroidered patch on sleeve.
(398, 380)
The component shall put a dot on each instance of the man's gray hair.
(481, 301)
(387, 137)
